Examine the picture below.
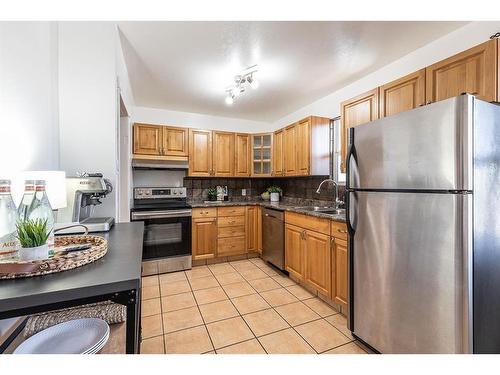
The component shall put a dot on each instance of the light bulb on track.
(229, 100)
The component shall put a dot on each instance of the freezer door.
(411, 266)
(428, 148)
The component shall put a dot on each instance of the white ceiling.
(186, 66)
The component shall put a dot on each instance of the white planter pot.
(275, 197)
(28, 254)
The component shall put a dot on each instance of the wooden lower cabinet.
(317, 270)
(252, 230)
(232, 231)
(259, 229)
(204, 238)
(339, 265)
(294, 251)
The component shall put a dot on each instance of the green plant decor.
(274, 189)
(32, 232)
(212, 192)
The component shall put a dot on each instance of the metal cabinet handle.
(341, 230)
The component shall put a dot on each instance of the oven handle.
(160, 214)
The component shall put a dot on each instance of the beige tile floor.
(241, 307)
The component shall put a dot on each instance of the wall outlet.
(243, 192)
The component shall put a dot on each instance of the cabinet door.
(200, 152)
(339, 290)
(147, 139)
(223, 153)
(474, 71)
(259, 229)
(175, 141)
(204, 238)
(402, 94)
(252, 228)
(303, 143)
(294, 254)
(278, 153)
(357, 111)
(290, 150)
(242, 155)
(318, 262)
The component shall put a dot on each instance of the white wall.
(28, 97)
(88, 110)
(466, 37)
(197, 120)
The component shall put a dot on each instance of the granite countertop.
(277, 206)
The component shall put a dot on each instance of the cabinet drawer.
(339, 230)
(231, 221)
(204, 212)
(231, 246)
(308, 222)
(231, 211)
(224, 232)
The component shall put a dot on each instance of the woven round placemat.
(58, 263)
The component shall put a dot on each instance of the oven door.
(167, 233)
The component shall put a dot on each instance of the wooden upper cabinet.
(402, 94)
(223, 153)
(200, 152)
(278, 153)
(290, 150)
(474, 71)
(147, 139)
(317, 270)
(356, 111)
(175, 141)
(340, 272)
(294, 252)
(303, 144)
(242, 155)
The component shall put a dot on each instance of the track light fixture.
(241, 82)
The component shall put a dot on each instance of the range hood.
(147, 162)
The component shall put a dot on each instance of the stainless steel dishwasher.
(273, 237)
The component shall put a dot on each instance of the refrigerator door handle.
(352, 168)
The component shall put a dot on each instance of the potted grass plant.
(33, 235)
(212, 194)
(274, 192)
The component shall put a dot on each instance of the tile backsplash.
(295, 189)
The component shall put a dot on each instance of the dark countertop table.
(116, 277)
(275, 205)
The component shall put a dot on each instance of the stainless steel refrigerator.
(424, 229)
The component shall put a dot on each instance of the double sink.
(323, 210)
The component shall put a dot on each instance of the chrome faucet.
(337, 201)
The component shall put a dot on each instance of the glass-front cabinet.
(262, 154)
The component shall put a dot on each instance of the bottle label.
(8, 247)
(51, 243)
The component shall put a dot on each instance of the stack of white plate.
(79, 336)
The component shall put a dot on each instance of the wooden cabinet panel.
(252, 228)
(294, 254)
(242, 155)
(259, 228)
(200, 152)
(204, 212)
(231, 211)
(290, 150)
(474, 71)
(308, 222)
(318, 262)
(338, 230)
(237, 231)
(204, 238)
(357, 111)
(231, 246)
(231, 221)
(175, 141)
(262, 154)
(147, 139)
(303, 144)
(402, 94)
(278, 153)
(339, 290)
(223, 153)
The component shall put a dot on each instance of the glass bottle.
(41, 209)
(29, 195)
(8, 220)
